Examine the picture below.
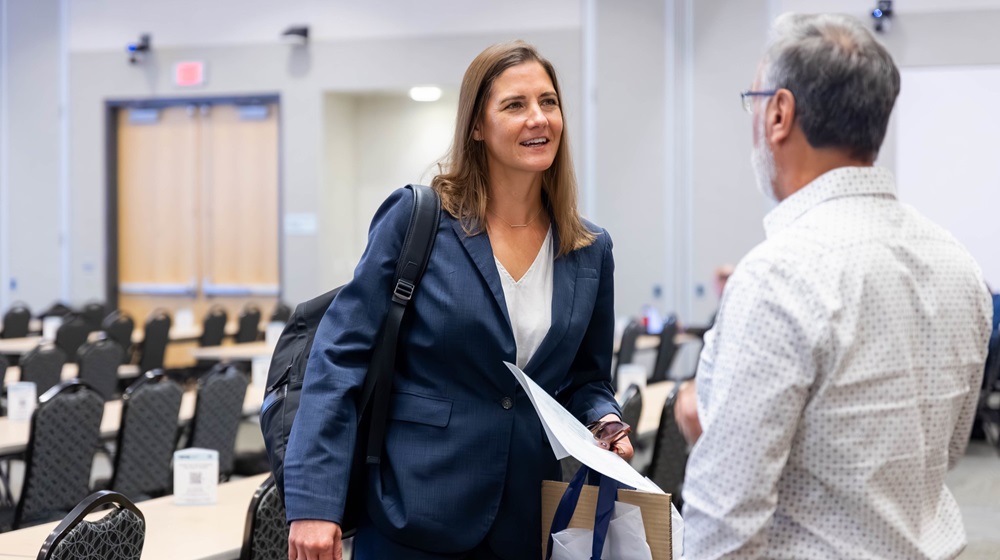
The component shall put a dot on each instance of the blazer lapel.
(479, 250)
(564, 271)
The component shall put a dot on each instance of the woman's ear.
(477, 135)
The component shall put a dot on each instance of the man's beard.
(762, 161)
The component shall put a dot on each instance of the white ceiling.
(110, 24)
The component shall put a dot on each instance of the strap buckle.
(403, 291)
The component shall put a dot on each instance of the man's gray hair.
(844, 81)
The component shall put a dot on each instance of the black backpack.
(288, 362)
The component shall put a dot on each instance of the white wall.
(31, 223)
(376, 143)
(110, 24)
(947, 158)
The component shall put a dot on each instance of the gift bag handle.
(606, 496)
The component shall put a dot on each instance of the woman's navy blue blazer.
(465, 453)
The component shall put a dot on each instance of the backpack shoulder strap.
(416, 252)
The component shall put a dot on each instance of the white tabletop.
(14, 434)
(172, 532)
(69, 371)
(246, 351)
(654, 396)
(19, 346)
(652, 341)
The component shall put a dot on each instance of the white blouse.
(529, 301)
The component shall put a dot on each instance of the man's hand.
(686, 412)
(313, 539)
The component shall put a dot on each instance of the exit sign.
(188, 74)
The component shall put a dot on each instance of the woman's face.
(522, 121)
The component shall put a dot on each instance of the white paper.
(184, 318)
(22, 397)
(196, 476)
(273, 332)
(568, 436)
(258, 371)
(49, 327)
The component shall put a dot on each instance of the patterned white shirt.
(839, 383)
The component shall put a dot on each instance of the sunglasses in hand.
(607, 433)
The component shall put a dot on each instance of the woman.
(515, 275)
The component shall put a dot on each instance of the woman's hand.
(314, 539)
(623, 447)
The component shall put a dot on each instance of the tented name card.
(196, 476)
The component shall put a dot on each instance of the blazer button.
(506, 403)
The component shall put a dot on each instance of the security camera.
(136, 51)
(882, 16)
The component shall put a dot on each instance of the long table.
(14, 434)
(18, 346)
(173, 532)
(71, 371)
(243, 352)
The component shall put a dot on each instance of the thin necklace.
(515, 226)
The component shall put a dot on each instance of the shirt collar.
(840, 182)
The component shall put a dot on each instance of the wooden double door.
(195, 206)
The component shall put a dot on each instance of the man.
(839, 383)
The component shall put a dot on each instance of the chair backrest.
(94, 313)
(217, 413)
(249, 329)
(4, 364)
(119, 326)
(57, 309)
(666, 352)
(99, 363)
(16, 321)
(266, 533)
(119, 535)
(72, 334)
(213, 326)
(147, 436)
(282, 312)
(43, 365)
(156, 335)
(65, 433)
(670, 452)
(626, 347)
(632, 407)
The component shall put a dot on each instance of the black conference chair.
(632, 410)
(72, 334)
(218, 412)
(99, 361)
(147, 436)
(43, 366)
(670, 453)
(57, 309)
(626, 348)
(667, 351)
(94, 313)
(119, 326)
(16, 321)
(65, 433)
(249, 324)
(213, 326)
(266, 534)
(282, 312)
(119, 535)
(156, 335)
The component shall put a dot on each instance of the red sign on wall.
(187, 74)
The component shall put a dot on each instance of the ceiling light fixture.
(425, 93)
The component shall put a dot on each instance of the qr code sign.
(194, 477)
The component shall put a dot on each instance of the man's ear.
(781, 116)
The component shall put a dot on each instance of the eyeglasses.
(746, 97)
(609, 432)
